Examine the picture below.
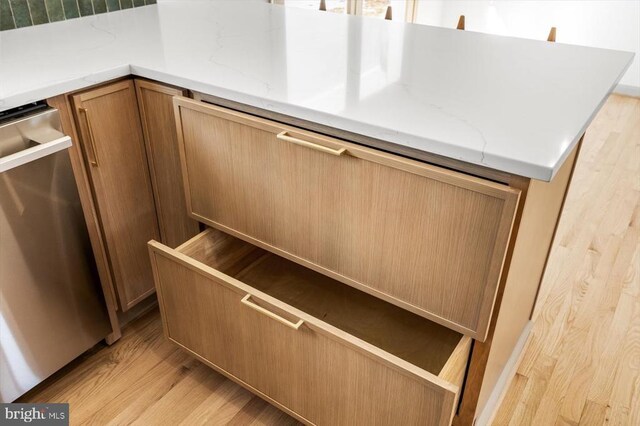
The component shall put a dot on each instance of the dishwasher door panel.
(51, 309)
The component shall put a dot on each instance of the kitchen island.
(515, 105)
(442, 117)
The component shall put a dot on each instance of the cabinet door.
(113, 146)
(159, 126)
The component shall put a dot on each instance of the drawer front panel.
(318, 377)
(429, 240)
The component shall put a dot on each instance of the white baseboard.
(623, 89)
(508, 372)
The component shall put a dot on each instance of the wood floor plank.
(177, 404)
(602, 383)
(272, 416)
(591, 323)
(562, 421)
(249, 412)
(593, 414)
(86, 380)
(220, 407)
(143, 393)
(627, 381)
(537, 383)
(518, 387)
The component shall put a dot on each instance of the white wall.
(613, 24)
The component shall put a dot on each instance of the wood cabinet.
(431, 257)
(326, 353)
(427, 239)
(112, 142)
(158, 124)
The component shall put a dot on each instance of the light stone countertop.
(510, 104)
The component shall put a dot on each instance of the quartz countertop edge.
(477, 98)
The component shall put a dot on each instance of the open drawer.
(321, 350)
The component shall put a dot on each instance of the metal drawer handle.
(94, 161)
(34, 153)
(285, 137)
(245, 300)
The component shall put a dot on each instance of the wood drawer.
(322, 351)
(427, 239)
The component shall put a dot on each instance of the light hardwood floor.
(582, 365)
(145, 380)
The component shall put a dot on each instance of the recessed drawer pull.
(246, 300)
(285, 137)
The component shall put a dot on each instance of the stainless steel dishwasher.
(51, 309)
